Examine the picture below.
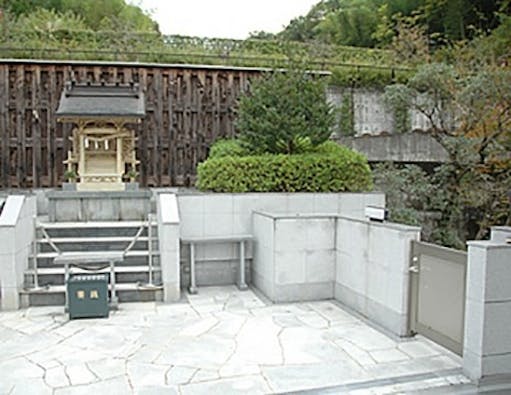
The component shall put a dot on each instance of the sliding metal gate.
(438, 294)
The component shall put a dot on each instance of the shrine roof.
(101, 100)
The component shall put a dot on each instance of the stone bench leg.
(242, 285)
(193, 285)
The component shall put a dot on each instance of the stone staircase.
(138, 277)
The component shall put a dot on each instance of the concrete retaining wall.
(408, 147)
(370, 114)
(16, 235)
(372, 277)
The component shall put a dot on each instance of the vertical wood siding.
(187, 109)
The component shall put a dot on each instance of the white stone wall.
(16, 237)
(372, 270)
(487, 340)
(263, 267)
(168, 237)
(224, 214)
(295, 256)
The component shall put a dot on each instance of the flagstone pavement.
(221, 341)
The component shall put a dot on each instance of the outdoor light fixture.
(378, 214)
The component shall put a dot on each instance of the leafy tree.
(96, 14)
(373, 22)
(285, 112)
(470, 116)
(409, 191)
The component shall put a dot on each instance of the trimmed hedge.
(226, 147)
(329, 169)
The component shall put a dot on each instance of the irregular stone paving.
(222, 342)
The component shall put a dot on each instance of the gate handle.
(414, 269)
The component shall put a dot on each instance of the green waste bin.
(88, 296)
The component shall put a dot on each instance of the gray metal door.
(437, 301)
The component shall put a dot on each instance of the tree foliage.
(285, 112)
(470, 117)
(94, 14)
(375, 22)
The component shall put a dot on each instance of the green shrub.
(329, 169)
(285, 113)
(226, 147)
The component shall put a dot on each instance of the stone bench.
(239, 239)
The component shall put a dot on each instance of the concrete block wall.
(16, 237)
(487, 340)
(372, 277)
(295, 257)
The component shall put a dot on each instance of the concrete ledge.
(11, 210)
(501, 234)
(169, 210)
(385, 225)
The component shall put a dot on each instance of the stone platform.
(72, 206)
(220, 341)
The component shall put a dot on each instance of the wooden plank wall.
(187, 109)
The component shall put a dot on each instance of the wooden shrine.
(103, 146)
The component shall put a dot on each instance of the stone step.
(91, 230)
(121, 277)
(102, 239)
(93, 238)
(55, 295)
(97, 246)
(94, 224)
(132, 253)
(77, 270)
(128, 261)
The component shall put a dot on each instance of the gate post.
(169, 238)
(487, 343)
